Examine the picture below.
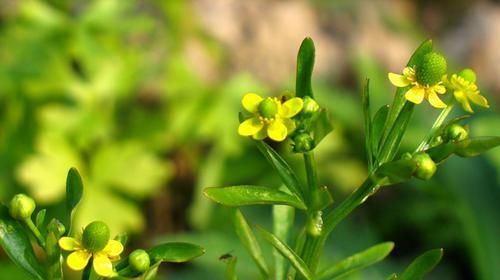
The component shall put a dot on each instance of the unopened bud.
(21, 207)
(139, 261)
(426, 167)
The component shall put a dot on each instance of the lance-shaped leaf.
(283, 218)
(236, 196)
(245, 234)
(286, 173)
(299, 264)
(475, 146)
(17, 245)
(74, 192)
(152, 271)
(40, 218)
(356, 262)
(175, 252)
(230, 272)
(441, 152)
(397, 171)
(391, 144)
(422, 265)
(378, 127)
(368, 124)
(305, 65)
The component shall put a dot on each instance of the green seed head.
(95, 236)
(268, 108)
(456, 132)
(431, 69)
(468, 75)
(426, 167)
(21, 207)
(139, 260)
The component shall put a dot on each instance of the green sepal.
(299, 264)
(236, 196)
(422, 265)
(175, 252)
(396, 171)
(357, 262)
(17, 245)
(40, 218)
(74, 192)
(305, 65)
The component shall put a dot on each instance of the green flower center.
(95, 236)
(431, 69)
(468, 75)
(268, 108)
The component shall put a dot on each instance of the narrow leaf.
(377, 127)
(152, 271)
(248, 239)
(17, 245)
(368, 124)
(397, 171)
(236, 196)
(358, 261)
(475, 146)
(283, 218)
(286, 173)
(176, 252)
(305, 65)
(40, 218)
(288, 253)
(393, 139)
(321, 126)
(422, 265)
(230, 272)
(74, 192)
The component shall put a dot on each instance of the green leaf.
(17, 245)
(283, 218)
(321, 126)
(475, 146)
(397, 171)
(287, 175)
(40, 218)
(230, 272)
(422, 265)
(391, 145)
(358, 261)
(368, 124)
(305, 65)
(54, 268)
(393, 276)
(236, 196)
(288, 253)
(377, 127)
(245, 234)
(175, 252)
(441, 152)
(152, 271)
(74, 192)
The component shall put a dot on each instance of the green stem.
(35, 232)
(87, 271)
(312, 177)
(439, 121)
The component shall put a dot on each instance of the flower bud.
(431, 69)
(95, 236)
(468, 75)
(303, 143)
(456, 132)
(139, 261)
(426, 167)
(268, 108)
(56, 227)
(21, 207)
(315, 224)
(310, 106)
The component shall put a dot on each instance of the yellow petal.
(250, 127)
(415, 94)
(113, 248)
(78, 260)
(277, 130)
(251, 102)
(434, 99)
(398, 80)
(102, 265)
(69, 244)
(291, 107)
(290, 125)
(478, 99)
(460, 97)
(261, 134)
(439, 89)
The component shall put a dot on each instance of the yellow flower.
(465, 91)
(95, 244)
(271, 117)
(418, 92)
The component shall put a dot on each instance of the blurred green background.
(142, 97)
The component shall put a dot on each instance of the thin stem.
(35, 232)
(87, 271)
(439, 121)
(312, 177)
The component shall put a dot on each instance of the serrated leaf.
(422, 265)
(175, 252)
(17, 245)
(288, 253)
(305, 65)
(245, 234)
(357, 261)
(236, 196)
(286, 173)
(475, 146)
(74, 192)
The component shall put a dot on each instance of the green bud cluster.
(431, 69)
(21, 207)
(303, 142)
(95, 236)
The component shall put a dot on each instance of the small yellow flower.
(465, 91)
(418, 92)
(93, 244)
(271, 118)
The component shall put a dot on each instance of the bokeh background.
(142, 97)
